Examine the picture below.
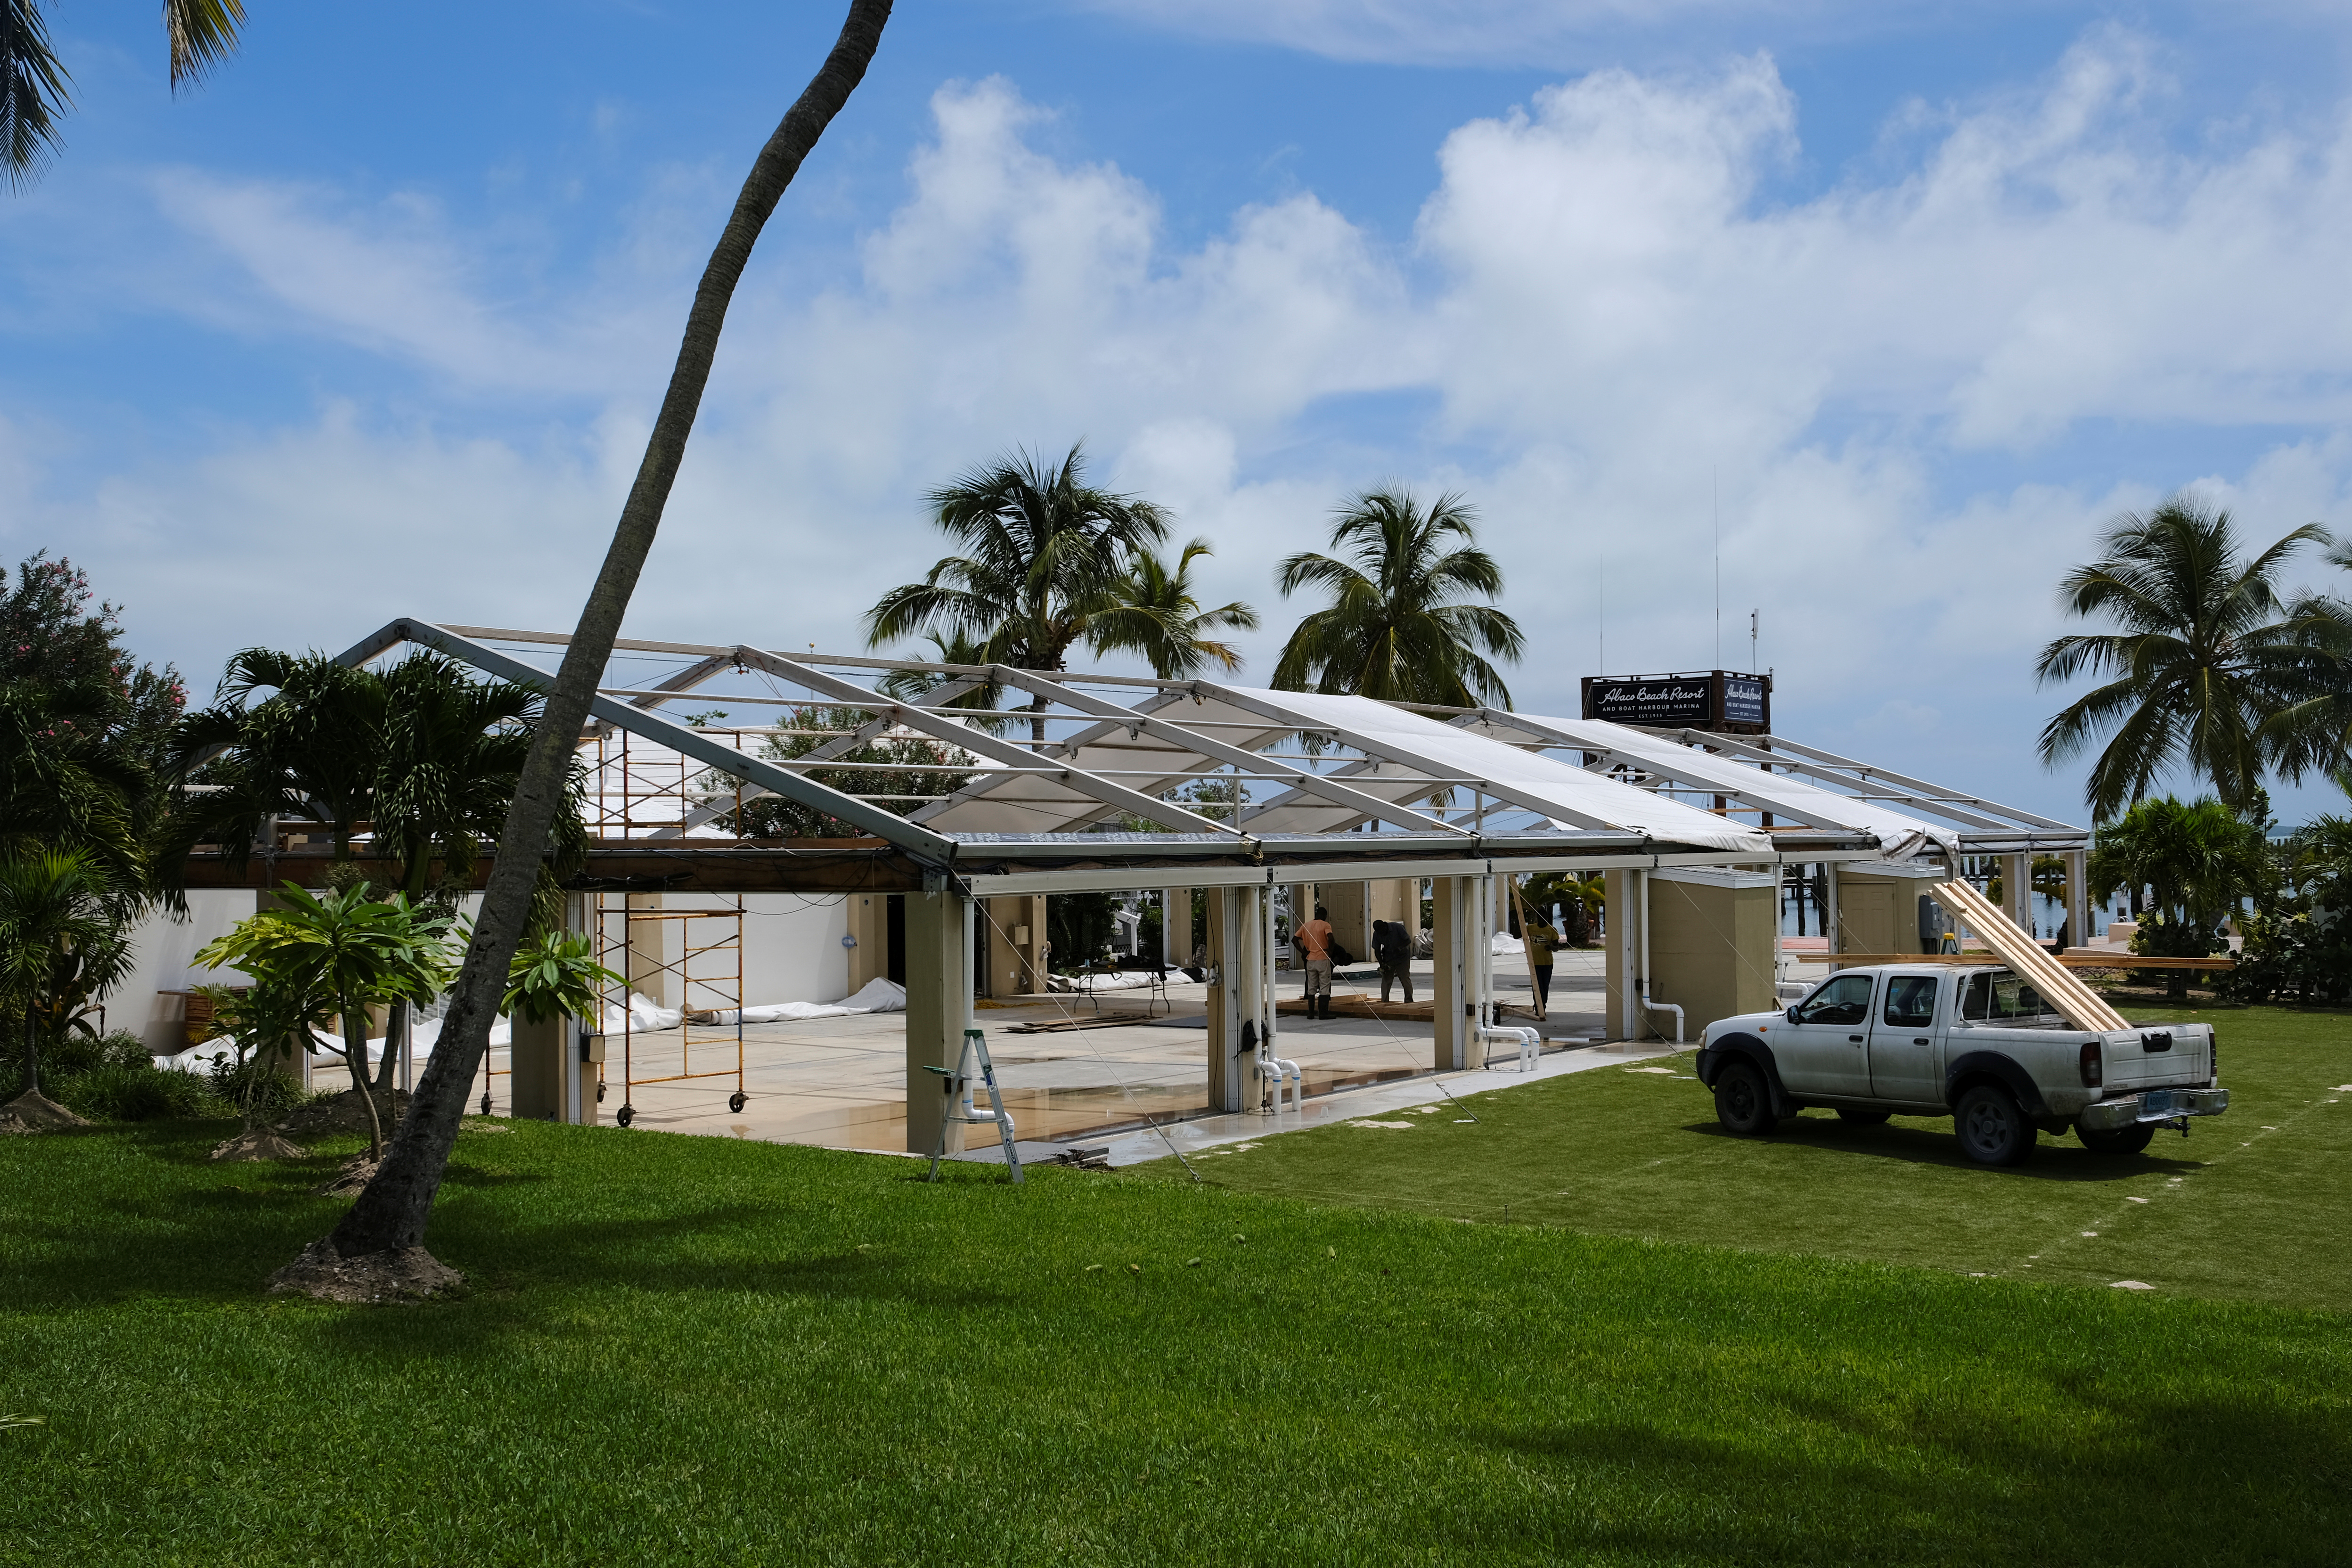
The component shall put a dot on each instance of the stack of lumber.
(2076, 1002)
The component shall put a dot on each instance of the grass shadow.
(2050, 1162)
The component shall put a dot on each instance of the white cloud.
(1614, 332)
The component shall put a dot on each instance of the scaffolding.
(700, 953)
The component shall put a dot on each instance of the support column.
(2017, 883)
(1236, 992)
(1829, 907)
(1623, 961)
(2078, 898)
(939, 1009)
(1453, 990)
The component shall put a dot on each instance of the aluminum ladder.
(957, 1086)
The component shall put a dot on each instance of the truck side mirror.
(1792, 1016)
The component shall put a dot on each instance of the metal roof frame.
(1367, 815)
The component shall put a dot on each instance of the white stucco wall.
(791, 949)
(163, 949)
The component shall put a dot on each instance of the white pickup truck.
(1979, 1045)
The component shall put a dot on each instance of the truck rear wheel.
(1992, 1130)
(2116, 1140)
(1743, 1101)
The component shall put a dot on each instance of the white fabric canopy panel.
(1900, 837)
(1565, 795)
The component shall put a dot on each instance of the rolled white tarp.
(873, 996)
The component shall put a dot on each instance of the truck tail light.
(2213, 1058)
(2093, 1068)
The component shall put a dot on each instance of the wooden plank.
(2069, 960)
(2076, 1002)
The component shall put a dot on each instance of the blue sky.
(1918, 296)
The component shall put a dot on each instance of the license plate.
(2157, 1100)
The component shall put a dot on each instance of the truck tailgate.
(2157, 1054)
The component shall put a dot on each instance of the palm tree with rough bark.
(382, 1234)
(2204, 656)
(1159, 616)
(1046, 556)
(32, 97)
(1401, 626)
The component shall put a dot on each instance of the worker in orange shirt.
(1313, 942)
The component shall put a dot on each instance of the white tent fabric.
(421, 1039)
(1566, 795)
(873, 996)
(1900, 837)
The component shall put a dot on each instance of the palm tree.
(60, 951)
(309, 752)
(391, 1210)
(977, 706)
(1158, 617)
(2311, 733)
(201, 34)
(1046, 554)
(2202, 661)
(2198, 861)
(1399, 629)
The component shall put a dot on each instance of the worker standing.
(1392, 950)
(1315, 946)
(1542, 937)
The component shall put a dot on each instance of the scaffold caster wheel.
(600, 1094)
(737, 1100)
(625, 1115)
(486, 1105)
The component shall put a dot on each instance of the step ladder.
(957, 1087)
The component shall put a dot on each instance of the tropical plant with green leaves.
(1402, 624)
(1159, 615)
(555, 975)
(83, 726)
(2298, 940)
(2205, 655)
(1043, 556)
(339, 953)
(61, 950)
(200, 34)
(2198, 863)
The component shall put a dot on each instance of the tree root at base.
(259, 1143)
(403, 1275)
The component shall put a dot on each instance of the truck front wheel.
(1743, 1101)
(1992, 1129)
(2116, 1140)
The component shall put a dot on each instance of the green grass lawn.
(685, 1349)
(2255, 1204)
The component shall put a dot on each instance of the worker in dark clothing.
(1392, 951)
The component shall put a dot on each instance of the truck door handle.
(1854, 1039)
(1922, 1040)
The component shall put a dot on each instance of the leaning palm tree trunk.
(391, 1211)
